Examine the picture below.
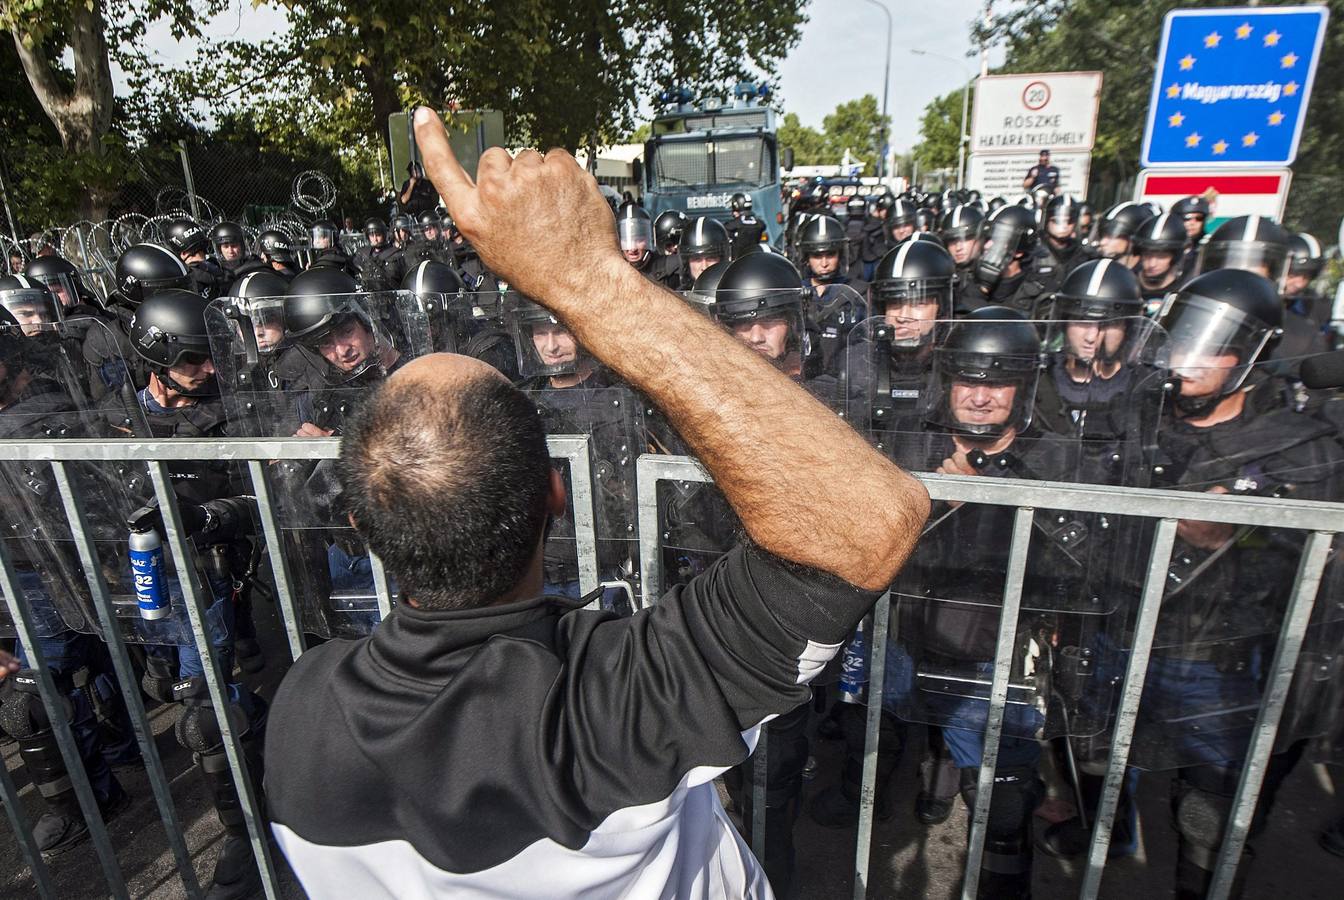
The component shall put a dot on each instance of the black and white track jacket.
(536, 750)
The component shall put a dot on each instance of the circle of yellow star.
(1187, 62)
(1272, 39)
(1174, 91)
(1276, 118)
(1212, 38)
(1220, 148)
(1193, 139)
(1175, 119)
(1290, 89)
(1249, 139)
(1243, 31)
(1289, 60)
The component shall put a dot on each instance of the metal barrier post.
(58, 717)
(998, 696)
(1291, 634)
(130, 685)
(214, 677)
(760, 762)
(877, 672)
(31, 855)
(381, 586)
(1154, 584)
(575, 451)
(270, 529)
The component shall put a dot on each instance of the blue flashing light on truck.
(699, 156)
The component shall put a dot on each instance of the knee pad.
(24, 718)
(197, 730)
(1200, 817)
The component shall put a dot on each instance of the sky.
(840, 56)
(843, 48)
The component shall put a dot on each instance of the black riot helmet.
(1099, 289)
(706, 286)
(1123, 220)
(1062, 208)
(261, 283)
(856, 207)
(667, 229)
(1304, 255)
(1253, 243)
(427, 220)
(634, 230)
(1010, 232)
(917, 273)
(227, 233)
(1224, 313)
(992, 347)
(542, 341)
(824, 234)
(432, 277)
(995, 203)
(756, 285)
(402, 223)
(61, 277)
(926, 218)
(185, 237)
(884, 202)
(28, 302)
(374, 226)
(322, 301)
(144, 269)
(902, 213)
(1162, 233)
(1191, 206)
(739, 202)
(274, 246)
(168, 329)
(322, 235)
(704, 237)
(961, 223)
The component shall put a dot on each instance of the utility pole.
(886, 82)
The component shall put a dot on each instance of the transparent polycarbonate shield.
(41, 543)
(831, 315)
(609, 420)
(312, 388)
(482, 332)
(771, 322)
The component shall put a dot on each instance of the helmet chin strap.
(209, 389)
(1197, 406)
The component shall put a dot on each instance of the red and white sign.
(1020, 114)
(1231, 193)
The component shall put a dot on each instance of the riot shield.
(942, 404)
(609, 420)
(1228, 586)
(830, 318)
(480, 330)
(311, 387)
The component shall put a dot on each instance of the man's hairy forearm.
(807, 487)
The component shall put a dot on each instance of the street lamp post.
(964, 138)
(886, 82)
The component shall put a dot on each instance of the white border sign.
(1055, 111)
(1001, 174)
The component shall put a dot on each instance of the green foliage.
(855, 125)
(809, 145)
(941, 131)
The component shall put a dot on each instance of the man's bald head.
(446, 474)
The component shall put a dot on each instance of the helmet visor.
(63, 287)
(32, 308)
(635, 234)
(769, 322)
(545, 346)
(1261, 257)
(1212, 345)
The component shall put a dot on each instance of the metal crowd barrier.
(1320, 519)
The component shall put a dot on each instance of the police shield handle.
(543, 226)
(532, 219)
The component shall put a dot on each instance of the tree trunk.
(82, 115)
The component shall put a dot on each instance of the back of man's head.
(448, 487)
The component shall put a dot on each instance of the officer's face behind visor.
(698, 264)
(824, 262)
(193, 371)
(347, 346)
(1205, 352)
(1156, 263)
(231, 251)
(1094, 340)
(912, 320)
(767, 336)
(1113, 246)
(982, 402)
(554, 345)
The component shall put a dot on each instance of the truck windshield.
(720, 161)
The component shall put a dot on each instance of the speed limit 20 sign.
(1042, 111)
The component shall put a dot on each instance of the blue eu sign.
(1232, 85)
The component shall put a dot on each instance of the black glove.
(194, 518)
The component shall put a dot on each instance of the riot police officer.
(62, 279)
(428, 246)
(703, 243)
(379, 263)
(1228, 430)
(634, 230)
(667, 230)
(1115, 232)
(190, 242)
(275, 253)
(1305, 262)
(1062, 243)
(961, 232)
(763, 308)
(230, 243)
(181, 399)
(1161, 245)
(325, 248)
(1193, 212)
(745, 230)
(1007, 271)
(835, 301)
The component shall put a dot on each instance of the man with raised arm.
(489, 741)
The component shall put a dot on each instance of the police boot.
(235, 875)
(160, 674)
(1005, 869)
(939, 782)
(838, 806)
(1201, 804)
(24, 717)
